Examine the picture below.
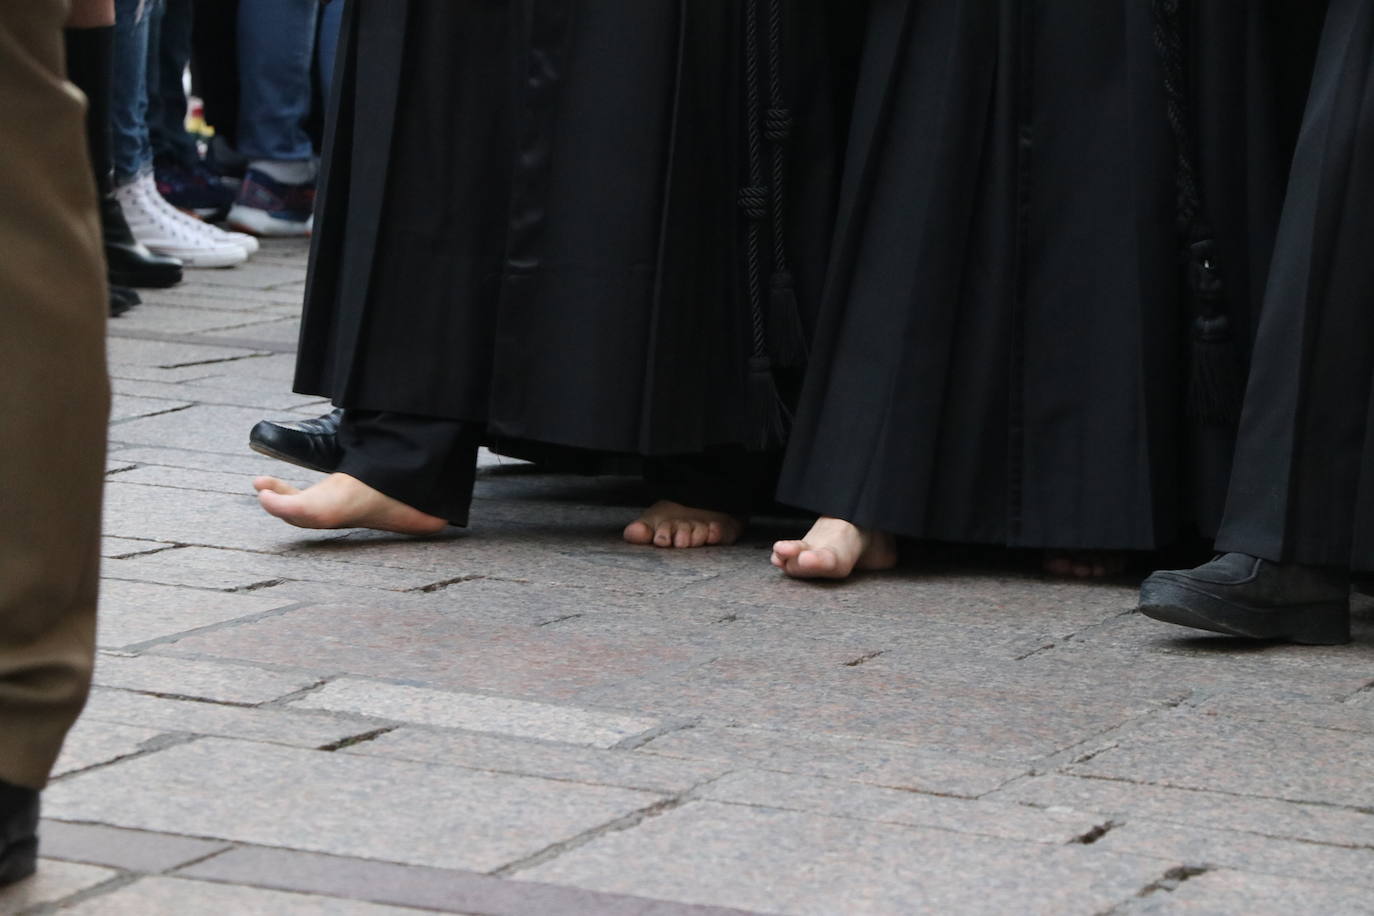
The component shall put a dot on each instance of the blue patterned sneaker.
(272, 208)
(194, 190)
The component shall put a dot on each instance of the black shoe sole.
(153, 279)
(1324, 623)
(289, 459)
(18, 861)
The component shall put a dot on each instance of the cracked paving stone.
(1192, 750)
(1229, 891)
(841, 798)
(1128, 800)
(92, 742)
(137, 612)
(278, 725)
(209, 567)
(786, 862)
(366, 807)
(1331, 865)
(223, 682)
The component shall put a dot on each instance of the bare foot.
(670, 524)
(1085, 564)
(833, 549)
(341, 501)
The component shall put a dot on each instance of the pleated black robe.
(1303, 487)
(1002, 352)
(530, 215)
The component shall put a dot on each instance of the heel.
(1325, 624)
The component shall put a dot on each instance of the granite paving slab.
(863, 759)
(222, 682)
(132, 613)
(54, 882)
(188, 717)
(842, 798)
(368, 807)
(445, 890)
(1335, 866)
(1229, 891)
(171, 896)
(130, 850)
(1127, 801)
(93, 742)
(208, 567)
(1193, 750)
(475, 712)
(552, 761)
(786, 862)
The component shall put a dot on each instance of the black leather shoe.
(1241, 595)
(130, 262)
(312, 444)
(18, 833)
(122, 299)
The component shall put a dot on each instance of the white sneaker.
(241, 239)
(180, 237)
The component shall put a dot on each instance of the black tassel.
(768, 415)
(786, 339)
(1216, 386)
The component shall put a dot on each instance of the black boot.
(89, 66)
(312, 444)
(1241, 595)
(18, 833)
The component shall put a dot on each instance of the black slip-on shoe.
(1241, 595)
(18, 833)
(312, 444)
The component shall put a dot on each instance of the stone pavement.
(531, 717)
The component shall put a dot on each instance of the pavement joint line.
(865, 658)
(1090, 837)
(266, 347)
(433, 587)
(148, 416)
(557, 620)
(153, 745)
(144, 553)
(1366, 688)
(355, 740)
(634, 742)
(284, 701)
(213, 627)
(1312, 802)
(212, 362)
(179, 697)
(119, 881)
(618, 825)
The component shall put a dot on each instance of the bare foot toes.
(670, 524)
(341, 501)
(833, 549)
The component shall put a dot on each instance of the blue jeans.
(169, 51)
(331, 17)
(130, 145)
(276, 48)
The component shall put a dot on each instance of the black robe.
(1303, 487)
(1002, 352)
(530, 215)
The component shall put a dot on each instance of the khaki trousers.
(54, 394)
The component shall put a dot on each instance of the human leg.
(52, 359)
(398, 472)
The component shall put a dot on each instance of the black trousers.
(428, 463)
(1302, 488)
